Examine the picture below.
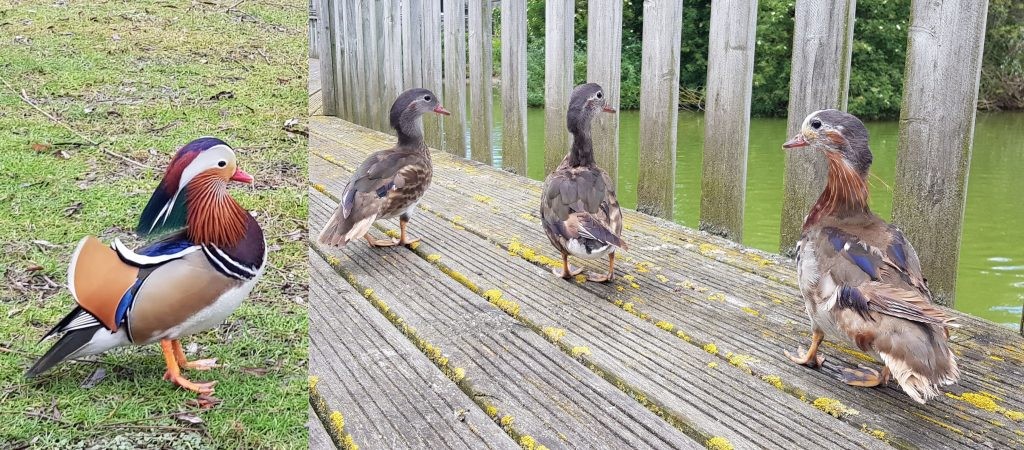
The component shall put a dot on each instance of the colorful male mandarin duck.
(578, 208)
(860, 277)
(389, 182)
(210, 254)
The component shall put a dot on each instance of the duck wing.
(376, 178)
(579, 203)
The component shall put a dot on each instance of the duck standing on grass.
(578, 208)
(860, 277)
(210, 255)
(389, 182)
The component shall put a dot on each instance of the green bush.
(1002, 69)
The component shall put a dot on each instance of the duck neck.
(845, 194)
(213, 217)
(410, 129)
(582, 152)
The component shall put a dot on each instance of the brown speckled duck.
(578, 208)
(860, 277)
(390, 182)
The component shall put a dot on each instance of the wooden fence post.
(392, 61)
(328, 88)
(480, 73)
(343, 61)
(314, 34)
(727, 117)
(940, 100)
(604, 66)
(559, 18)
(412, 51)
(455, 76)
(357, 43)
(513, 85)
(820, 78)
(431, 41)
(659, 107)
(373, 66)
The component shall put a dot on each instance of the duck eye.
(222, 163)
(816, 124)
(598, 95)
(426, 97)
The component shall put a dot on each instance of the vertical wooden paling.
(412, 51)
(431, 40)
(604, 66)
(480, 74)
(392, 62)
(314, 34)
(820, 78)
(659, 107)
(559, 16)
(940, 98)
(727, 117)
(342, 62)
(513, 85)
(371, 22)
(358, 53)
(328, 89)
(455, 76)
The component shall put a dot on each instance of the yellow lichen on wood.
(681, 335)
(415, 245)
(580, 350)
(433, 257)
(751, 311)
(491, 411)
(460, 374)
(554, 334)
(482, 198)
(833, 407)
(718, 443)
(661, 278)
(337, 421)
(643, 267)
(940, 423)
(333, 261)
(664, 325)
(320, 188)
(580, 279)
(494, 296)
(711, 348)
(717, 297)
(987, 402)
(393, 233)
(528, 443)
(739, 360)
(773, 380)
(712, 365)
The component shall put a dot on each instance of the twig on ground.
(229, 8)
(25, 98)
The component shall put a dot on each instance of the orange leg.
(402, 222)
(184, 363)
(374, 242)
(567, 270)
(611, 271)
(810, 358)
(173, 373)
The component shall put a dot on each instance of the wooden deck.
(468, 341)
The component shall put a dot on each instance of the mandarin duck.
(389, 182)
(578, 208)
(208, 255)
(860, 277)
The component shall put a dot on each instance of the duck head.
(838, 135)
(193, 194)
(585, 102)
(407, 112)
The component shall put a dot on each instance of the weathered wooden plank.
(659, 107)
(432, 127)
(737, 310)
(536, 389)
(390, 393)
(820, 78)
(392, 61)
(704, 401)
(318, 438)
(328, 69)
(604, 67)
(455, 76)
(373, 66)
(357, 44)
(940, 100)
(513, 86)
(559, 46)
(727, 117)
(412, 50)
(344, 101)
(481, 94)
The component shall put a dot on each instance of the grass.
(140, 79)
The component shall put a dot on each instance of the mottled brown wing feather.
(580, 196)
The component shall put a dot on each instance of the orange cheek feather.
(100, 279)
(836, 138)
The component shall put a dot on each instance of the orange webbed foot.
(203, 388)
(805, 358)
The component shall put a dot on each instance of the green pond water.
(990, 281)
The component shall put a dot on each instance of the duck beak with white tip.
(797, 141)
(608, 109)
(440, 110)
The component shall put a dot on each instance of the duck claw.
(567, 272)
(864, 376)
(813, 361)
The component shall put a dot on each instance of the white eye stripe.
(205, 161)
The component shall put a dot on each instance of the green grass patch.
(140, 79)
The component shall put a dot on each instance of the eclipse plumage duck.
(860, 277)
(578, 208)
(389, 182)
(207, 255)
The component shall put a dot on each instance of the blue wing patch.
(852, 298)
(852, 248)
(165, 247)
(126, 302)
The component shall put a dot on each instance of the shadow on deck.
(467, 340)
